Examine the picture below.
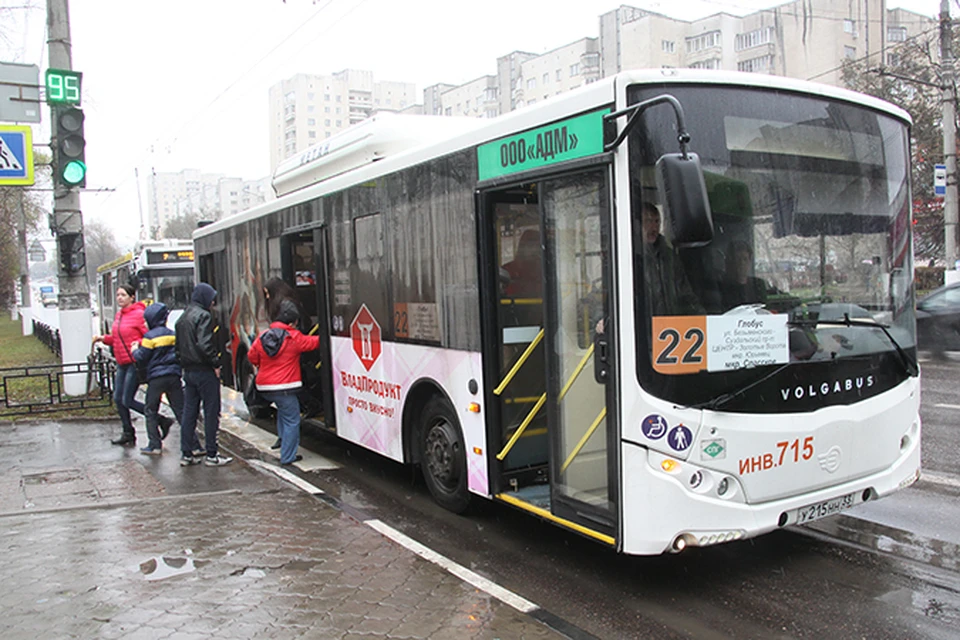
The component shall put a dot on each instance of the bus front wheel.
(443, 457)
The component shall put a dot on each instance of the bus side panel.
(371, 380)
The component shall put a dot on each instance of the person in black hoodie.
(157, 355)
(200, 360)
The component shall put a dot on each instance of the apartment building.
(205, 195)
(808, 39)
(306, 109)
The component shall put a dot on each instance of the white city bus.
(488, 311)
(159, 270)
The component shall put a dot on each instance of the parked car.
(48, 297)
(938, 319)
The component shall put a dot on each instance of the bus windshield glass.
(170, 286)
(805, 293)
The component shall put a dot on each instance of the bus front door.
(557, 441)
(304, 262)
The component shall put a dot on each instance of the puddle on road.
(161, 567)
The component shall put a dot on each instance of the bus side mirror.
(683, 194)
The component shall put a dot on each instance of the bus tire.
(443, 458)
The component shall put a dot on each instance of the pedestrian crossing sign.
(16, 155)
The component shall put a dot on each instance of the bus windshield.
(805, 292)
(169, 286)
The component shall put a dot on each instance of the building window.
(893, 59)
(531, 83)
(896, 34)
(326, 109)
(756, 65)
(326, 97)
(559, 75)
(574, 69)
(312, 135)
(326, 122)
(311, 121)
(849, 53)
(668, 46)
(712, 63)
(448, 111)
(546, 78)
(339, 98)
(703, 41)
(339, 123)
(849, 26)
(753, 38)
(311, 96)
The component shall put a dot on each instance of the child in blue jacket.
(157, 354)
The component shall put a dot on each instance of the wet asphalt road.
(790, 584)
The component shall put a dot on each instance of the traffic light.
(68, 152)
(72, 256)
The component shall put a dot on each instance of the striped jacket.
(157, 353)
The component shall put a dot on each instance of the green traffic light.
(74, 172)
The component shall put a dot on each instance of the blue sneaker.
(151, 451)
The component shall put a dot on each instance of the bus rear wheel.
(443, 458)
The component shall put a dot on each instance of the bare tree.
(14, 202)
(911, 80)
(100, 246)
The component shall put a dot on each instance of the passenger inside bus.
(524, 275)
(739, 285)
(666, 287)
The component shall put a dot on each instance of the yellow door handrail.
(583, 440)
(576, 372)
(520, 429)
(519, 363)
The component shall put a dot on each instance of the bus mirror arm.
(679, 178)
(634, 111)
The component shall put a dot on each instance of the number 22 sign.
(679, 344)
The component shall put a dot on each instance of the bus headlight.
(723, 486)
(696, 479)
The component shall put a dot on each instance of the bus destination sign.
(160, 257)
(569, 139)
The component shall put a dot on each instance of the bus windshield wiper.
(727, 397)
(909, 365)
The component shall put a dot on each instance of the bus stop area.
(100, 541)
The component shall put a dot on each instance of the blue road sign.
(939, 179)
(16, 155)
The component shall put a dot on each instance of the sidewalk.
(100, 541)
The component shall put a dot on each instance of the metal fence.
(48, 336)
(39, 389)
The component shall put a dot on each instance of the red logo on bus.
(365, 331)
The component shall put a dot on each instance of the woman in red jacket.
(276, 354)
(127, 332)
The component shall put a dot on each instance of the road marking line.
(292, 478)
(938, 478)
(947, 406)
(500, 593)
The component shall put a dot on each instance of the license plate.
(824, 509)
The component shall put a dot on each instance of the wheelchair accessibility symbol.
(654, 426)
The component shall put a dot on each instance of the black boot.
(125, 439)
(165, 424)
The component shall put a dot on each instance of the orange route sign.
(679, 344)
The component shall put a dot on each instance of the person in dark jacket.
(157, 355)
(276, 354)
(197, 351)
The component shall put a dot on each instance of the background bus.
(159, 270)
(459, 287)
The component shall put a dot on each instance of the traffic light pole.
(951, 274)
(76, 320)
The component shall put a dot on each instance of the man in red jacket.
(276, 354)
